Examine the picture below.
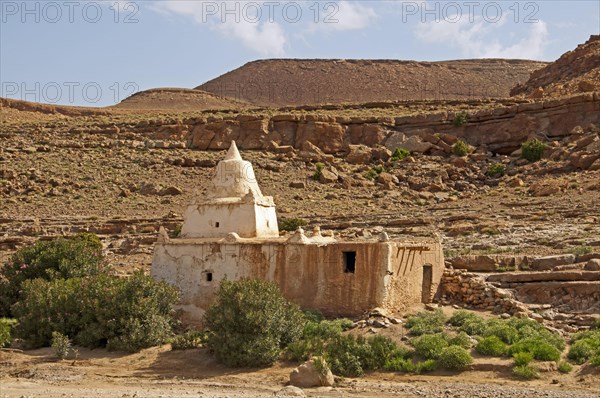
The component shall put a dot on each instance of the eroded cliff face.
(500, 129)
(339, 279)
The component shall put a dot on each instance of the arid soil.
(160, 372)
(576, 71)
(177, 99)
(286, 82)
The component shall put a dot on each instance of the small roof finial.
(233, 153)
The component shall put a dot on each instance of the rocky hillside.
(576, 71)
(179, 99)
(286, 82)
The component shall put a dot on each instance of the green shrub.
(495, 170)
(501, 329)
(315, 336)
(474, 327)
(103, 310)
(61, 345)
(460, 119)
(581, 250)
(426, 322)
(60, 258)
(5, 331)
(539, 348)
(454, 358)
(348, 356)
(460, 317)
(525, 372)
(565, 367)
(382, 350)
(251, 322)
(522, 358)
(460, 148)
(400, 153)
(408, 366)
(596, 325)
(581, 351)
(532, 150)
(319, 167)
(189, 340)
(373, 172)
(291, 224)
(461, 339)
(491, 346)
(429, 346)
(528, 328)
(596, 360)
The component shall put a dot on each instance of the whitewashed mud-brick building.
(232, 233)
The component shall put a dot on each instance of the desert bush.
(501, 329)
(189, 340)
(319, 167)
(491, 346)
(473, 327)
(454, 358)
(251, 322)
(460, 317)
(460, 148)
(399, 154)
(539, 348)
(595, 361)
(522, 358)
(61, 345)
(348, 356)
(6, 332)
(314, 338)
(60, 258)
(426, 322)
(103, 310)
(525, 372)
(461, 339)
(291, 224)
(429, 346)
(530, 329)
(406, 365)
(565, 367)
(581, 351)
(495, 169)
(460, 119)
(532, 150)
(373, 172)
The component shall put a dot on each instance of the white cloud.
(265, 37)
(351, 16)
(478, 39)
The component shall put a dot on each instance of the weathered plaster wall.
(312, 276)
(248, 220)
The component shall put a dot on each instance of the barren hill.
(179, 99)
(285, 82)
(574, 72)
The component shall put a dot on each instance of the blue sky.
(96, 53)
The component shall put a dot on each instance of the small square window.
(216, 225)
(349, 262)
(209, 276)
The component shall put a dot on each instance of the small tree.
(251, 322)
(57, 259)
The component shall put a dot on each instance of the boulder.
(149, 189)
(170, 191)
(395, 140)
(474, 263)
(327, 177)
(415, 144)
(298, 184)
(289, 391)
(592, 265)
(309, 375)
(359, 154)
(549, 262)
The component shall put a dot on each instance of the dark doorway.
(349, 262)
(209, 276)
(217, 225)
(427, 281)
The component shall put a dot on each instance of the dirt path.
(159, 372)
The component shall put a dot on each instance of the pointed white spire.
(233, 153)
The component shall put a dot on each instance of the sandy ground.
(160, 372)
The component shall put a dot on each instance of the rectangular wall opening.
(216, 225)
(349, 262)
(209, 276)
(426, 284)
